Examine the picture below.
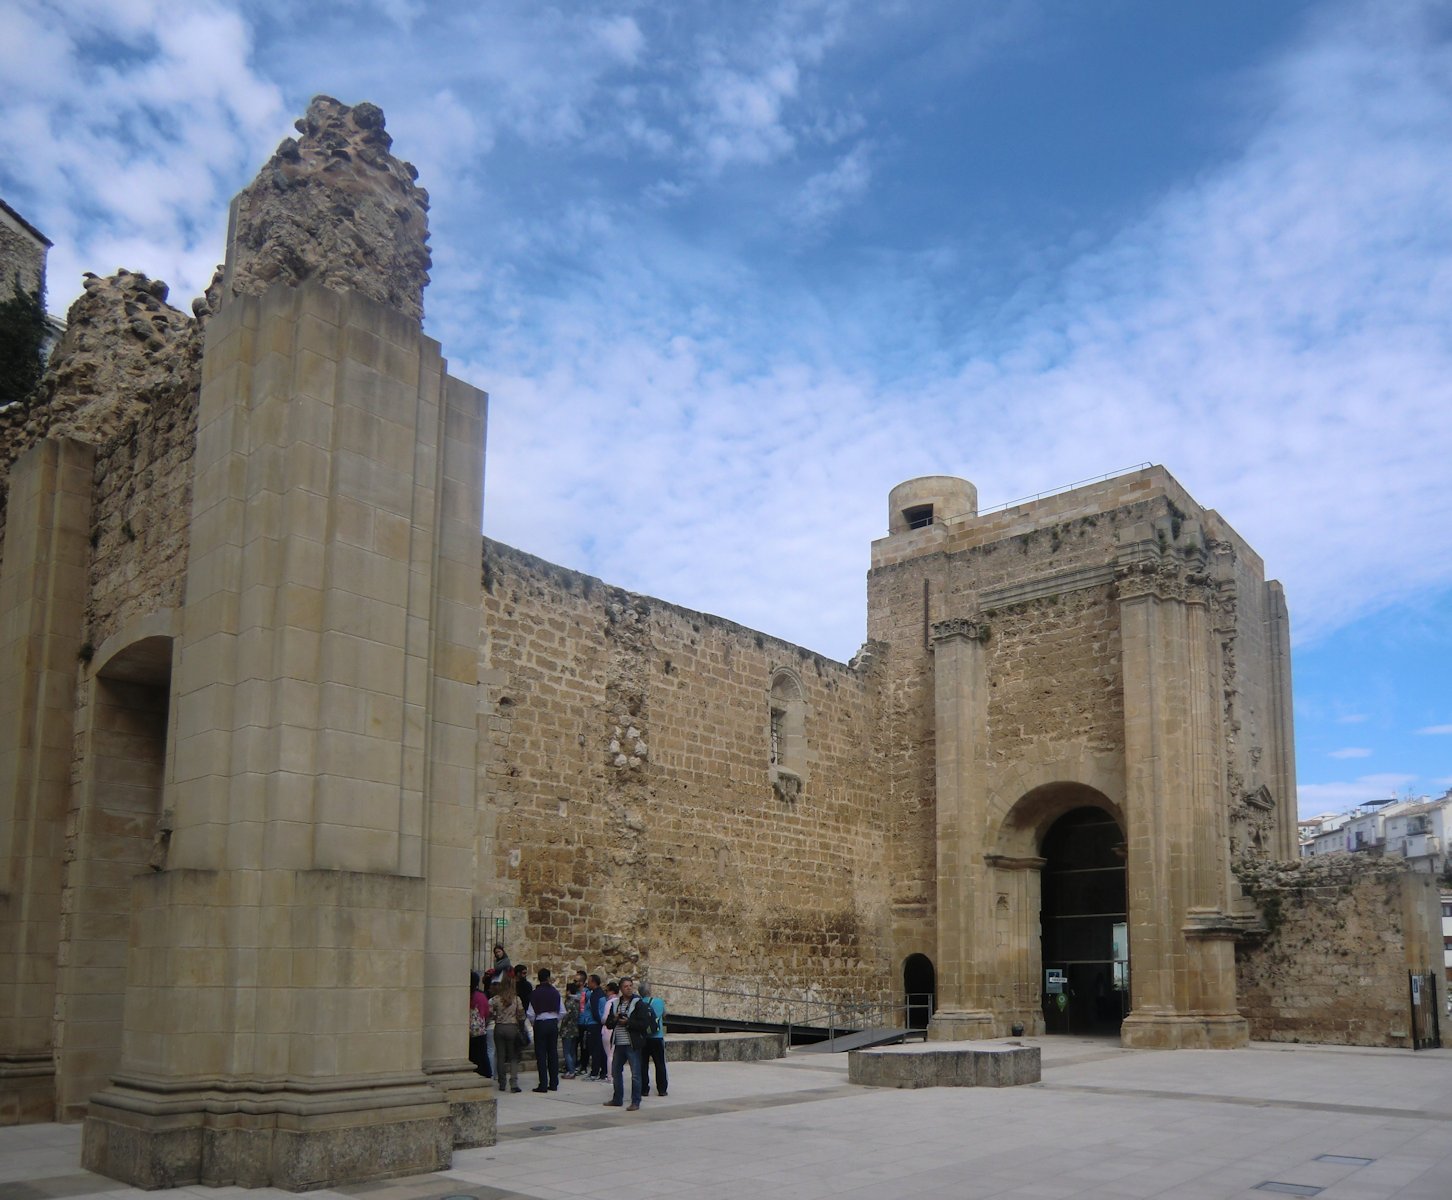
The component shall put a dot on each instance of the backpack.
(640, 1021)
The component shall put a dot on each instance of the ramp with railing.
(697, 1005)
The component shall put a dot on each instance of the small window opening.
(778, 733)
(920, 516)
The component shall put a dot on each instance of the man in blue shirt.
(590, 1018)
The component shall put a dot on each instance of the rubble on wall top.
(334, 205)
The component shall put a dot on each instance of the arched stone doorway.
(121, 832)
(1084, 923)
(920, 989)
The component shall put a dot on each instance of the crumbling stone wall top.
(333, 205)
(124, 347)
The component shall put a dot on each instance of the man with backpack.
(652, 1050)
(591, 1013)
(631, 1023)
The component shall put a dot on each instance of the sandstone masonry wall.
(636, 819)
(1342, 934)
(141, 517)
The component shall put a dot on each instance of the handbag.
(477, 1025)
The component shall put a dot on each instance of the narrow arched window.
(786, 735)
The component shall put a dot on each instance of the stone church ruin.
(280, 734)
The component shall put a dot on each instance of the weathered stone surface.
(124, 348)
(954, 1064)
(334, 205)
(1340, 934)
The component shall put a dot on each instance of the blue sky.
(730, 272)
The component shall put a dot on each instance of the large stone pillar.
(1181, 942)
(1282, 767)
(286, 1020)
(42, 621)
(965, 917)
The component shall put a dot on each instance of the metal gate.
(489, 927)
(1426, 1020)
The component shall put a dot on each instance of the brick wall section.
(1342, 934)
(629, 770)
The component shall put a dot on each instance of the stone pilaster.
(42, 618)
(965, 931)
(285, 1022)
(1282, 767)
(1181, 943)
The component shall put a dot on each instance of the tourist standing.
(508, 1033)
(570, 1028)
(623, 1048)
(654, 1049)
(612, 996)
(499, 968)
(592, 1013)
(478, 1026)
(545, 1010)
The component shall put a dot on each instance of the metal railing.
(697, 997)
(1068, 487)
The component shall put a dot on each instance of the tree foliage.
(22, 337)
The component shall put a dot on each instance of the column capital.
(966, 629)
(1164, 579)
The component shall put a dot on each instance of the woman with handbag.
(508, 1034)
(478, 1026)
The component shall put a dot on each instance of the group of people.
(598, 1029)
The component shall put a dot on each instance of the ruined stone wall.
(1342, 933)
(141, 517)
(636, 822)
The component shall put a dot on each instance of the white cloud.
(622, 37)
(1436, 729)
(1351, 752)
(1351, 719)
(1339, 797)
(133, 162)
(824, 195)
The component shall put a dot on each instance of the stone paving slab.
(1104, 1124)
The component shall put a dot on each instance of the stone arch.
(1014, 896)
(787, 733)
(121, 832)
(1022, 827)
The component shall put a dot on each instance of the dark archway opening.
(1084, 924)
(920, 989)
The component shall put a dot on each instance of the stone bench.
(945, 1064)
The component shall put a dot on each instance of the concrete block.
(936, 1064)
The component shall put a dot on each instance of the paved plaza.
(1105, 1123)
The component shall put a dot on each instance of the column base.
(1162, 1031)
(472, 1103)
(965, 1026)
(232, 1134)
(27, 1088)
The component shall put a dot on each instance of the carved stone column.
(965, 918)
(1181, 941)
